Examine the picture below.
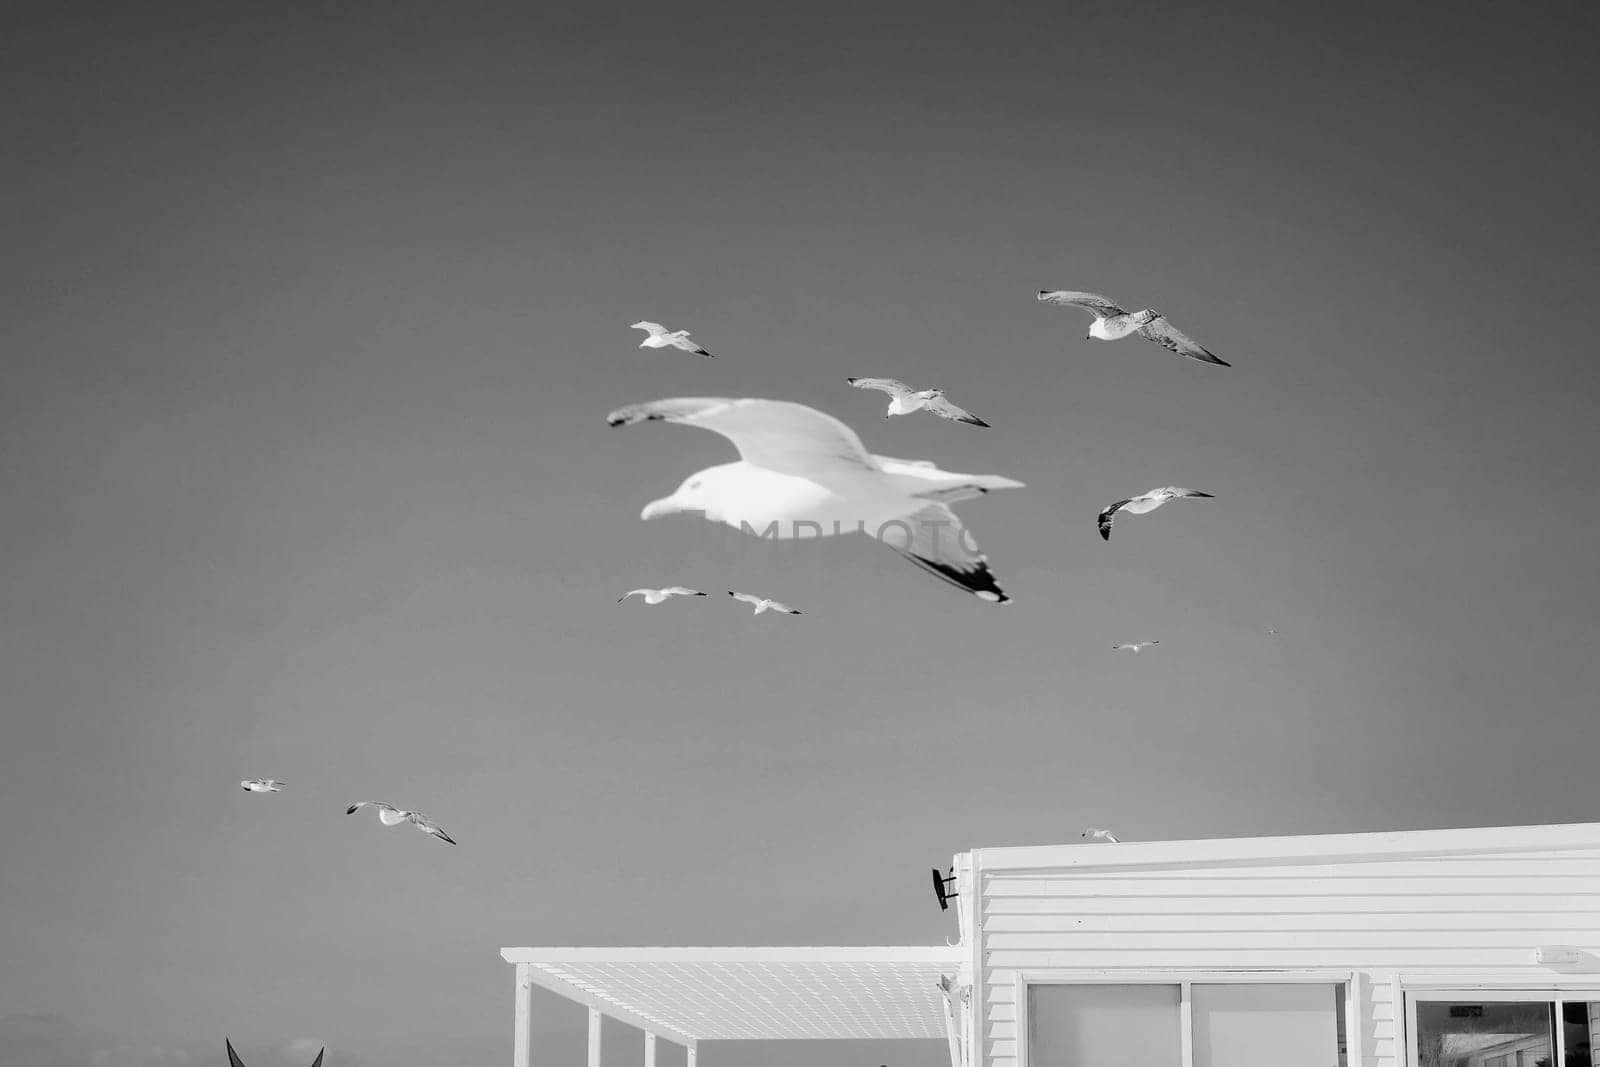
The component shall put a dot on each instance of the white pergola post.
(950, 1035)
(594, 1037)
(522, 1026)
(649, 1049)
(691, 1051)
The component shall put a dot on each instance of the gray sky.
(312, 324)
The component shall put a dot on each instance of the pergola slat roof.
(729, 994)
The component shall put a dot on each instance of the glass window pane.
(1261, 1025)
(1484, 1034)
(1580, 1023)
(1104, 1026)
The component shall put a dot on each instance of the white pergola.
(689, 995)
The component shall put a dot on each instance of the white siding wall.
(1381, 1024)
(1453, 918)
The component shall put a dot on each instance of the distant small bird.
(661, 337)
(904, 400)
(656, 596)
(390, 815)
(1142, 504)
(1111, 323)
(1274, 633)
(763, 603)
(1096, 834)
(1134, 647)
(235, 1061)
(261, 785)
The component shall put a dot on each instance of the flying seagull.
(262, 785)
(1096, 834)
(1111, 323)
(656, 596)
(904, 400)
(390, 815)
(1143, 503)
(235, 1061)
(763, 603)
(661, 337)
(803, 473)
(1134, 646)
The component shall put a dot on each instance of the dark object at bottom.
(235, 1061)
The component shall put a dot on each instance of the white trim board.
(951, 954)
(1278, 851)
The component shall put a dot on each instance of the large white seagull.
(802, 473)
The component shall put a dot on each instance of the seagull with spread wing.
(1142, 504)
(904, 400)
(261, 785)
(1112, 323)
(802, 473)
(390, 815)
(661, 337)
(1134, 646)
(763, 603)
(656, 596)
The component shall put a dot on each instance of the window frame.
(1185, 980)
(1556, 995)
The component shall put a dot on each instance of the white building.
(1431, 948)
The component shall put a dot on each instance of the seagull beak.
(657, 508)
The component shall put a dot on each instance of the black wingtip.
(625, 416)
(975, 421)
(979, 581)
(318, 1061)
(351, 810)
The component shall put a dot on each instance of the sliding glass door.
(1503, 1028)
(1485, 1034)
